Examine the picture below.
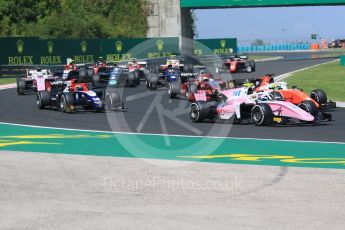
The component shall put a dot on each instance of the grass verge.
(4, 81)
(329, 77)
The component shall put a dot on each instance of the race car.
(100, 72)
(280, 91)
(174, 62)
(121, 77)
(171, 78)
(239, 64)
(245, 108)
(206, 82)
(139, 69)
(33, 80)
(70, 96)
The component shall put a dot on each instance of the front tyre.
(21, 86)
(310, 107)
(262, 114)
(319, 96)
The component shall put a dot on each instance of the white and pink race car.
(245, 106)
(33, 80)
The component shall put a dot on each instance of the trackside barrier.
(276, 47)
(19, 51)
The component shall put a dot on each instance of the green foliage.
(73, 19)
(329, 77)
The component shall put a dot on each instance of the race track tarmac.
(153, 112)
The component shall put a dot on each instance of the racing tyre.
(200, 111)
(136, 77)
(21, 86)
(275, 96)
(42, 99)
(319, 96)
(89, 73)
(248, 67)
(147, 82)
(188, 68)
(173, 89)
(95, 79)
(262, 114)
(253, 65)
(131, 81)
(83, 75)
(310, 107)
(67, 103)
(153, 81)
(190, 92)
(112, 100)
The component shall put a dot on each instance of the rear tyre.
(190, 92)
(188, 68)
(310, 107)
(136, 77)
(83, 75)
(42, 99)
(262, 114)
(319, 96)
(200, 111)
(21, 86)
(67, 103)
(248, 67)
(131, 81)
(89, 74)
(173, 89)
(96, 79)
(253, 65)
(275, 96)
(153, 81)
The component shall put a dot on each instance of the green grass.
(329, 77)
(4, 81)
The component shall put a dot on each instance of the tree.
(73, 19)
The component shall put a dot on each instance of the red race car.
(239, 64)
(205, 84)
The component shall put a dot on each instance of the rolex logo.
(83, 45)
(222, 43)
(20, 46)
(119, 46)
(160, 45)
(50, 46)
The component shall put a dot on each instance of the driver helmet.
(250, 90)
(257, 83)
(205, 79)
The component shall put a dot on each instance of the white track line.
(172, 135)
